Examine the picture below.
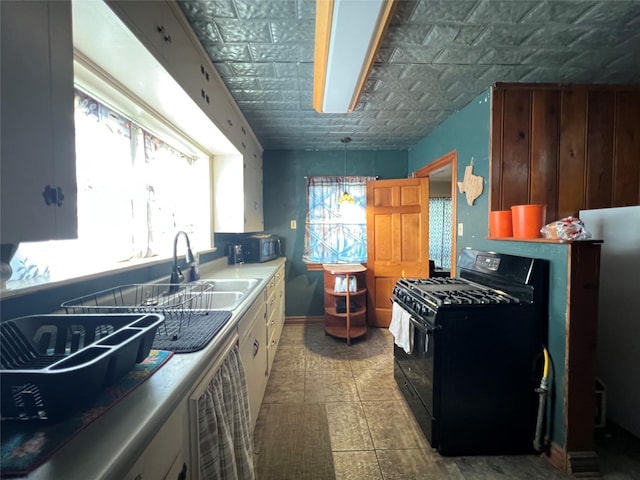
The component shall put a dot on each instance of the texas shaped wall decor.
(471, 184)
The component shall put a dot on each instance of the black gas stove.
(439, 291)
(471, 374)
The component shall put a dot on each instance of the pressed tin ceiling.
(435, 58)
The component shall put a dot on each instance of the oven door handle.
(424, 329)
(420, 326)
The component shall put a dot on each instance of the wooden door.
(397, 240)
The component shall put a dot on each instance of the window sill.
(14, 288)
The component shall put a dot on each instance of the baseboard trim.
(304, 320)
(558, 457)
(577, 464)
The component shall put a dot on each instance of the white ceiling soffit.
(436, 56)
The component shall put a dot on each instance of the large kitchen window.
(135, 191)
(335, 230)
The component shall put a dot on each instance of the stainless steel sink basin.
(244, 285)
(215, 300)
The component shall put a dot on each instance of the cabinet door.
(254, 217)
(253, 353)
(37, 121)
(147, 22)
(165, 454)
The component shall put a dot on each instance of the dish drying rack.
(177, 307)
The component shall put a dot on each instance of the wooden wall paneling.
(495, 162)
(571, 171)
(599, 154)
(626, 154)
(545, 133)
(516, 167)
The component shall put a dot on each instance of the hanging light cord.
(345, 197)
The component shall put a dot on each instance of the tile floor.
(333, 411)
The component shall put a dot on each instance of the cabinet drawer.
(272, 306)
(271, 287)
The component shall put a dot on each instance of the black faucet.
(176, 273)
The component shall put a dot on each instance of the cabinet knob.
(256, 347)
(53, 196)
(183, 473)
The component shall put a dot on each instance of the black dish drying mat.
(194, 334)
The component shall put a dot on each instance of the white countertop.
(109, 447)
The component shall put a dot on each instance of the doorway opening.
(442, 184)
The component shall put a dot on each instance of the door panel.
(397, 240)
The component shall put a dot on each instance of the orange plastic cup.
(528, 220)
(500, 224)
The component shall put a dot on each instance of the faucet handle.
(180, 275)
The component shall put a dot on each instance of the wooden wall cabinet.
(345, 300)
(571, 147)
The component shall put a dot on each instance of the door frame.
(444, 161)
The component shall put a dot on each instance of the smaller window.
(336, 231)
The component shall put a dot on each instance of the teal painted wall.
(467, 131)
(285, 199)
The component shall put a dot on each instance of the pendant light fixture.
(345, 197)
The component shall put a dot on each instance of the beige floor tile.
(285, 387)
(380, 336)
(348, 427)
(379, 360)
(356, 466)
(391, 426)
(327, 358)
(376, 385)
(323, 386)
(291, 358)
(295, 443)
(416, 464)
(292, 335)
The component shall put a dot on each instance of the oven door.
(417, 378)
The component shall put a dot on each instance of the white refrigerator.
(618, 348)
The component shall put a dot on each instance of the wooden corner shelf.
(345, 283)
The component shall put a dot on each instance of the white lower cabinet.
(253, 354)
(259, 331)
(166, 457)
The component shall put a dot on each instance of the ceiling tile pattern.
(436, 57)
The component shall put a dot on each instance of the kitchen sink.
(221, 300)
(244, 285)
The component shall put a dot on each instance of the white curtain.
(226, 440)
